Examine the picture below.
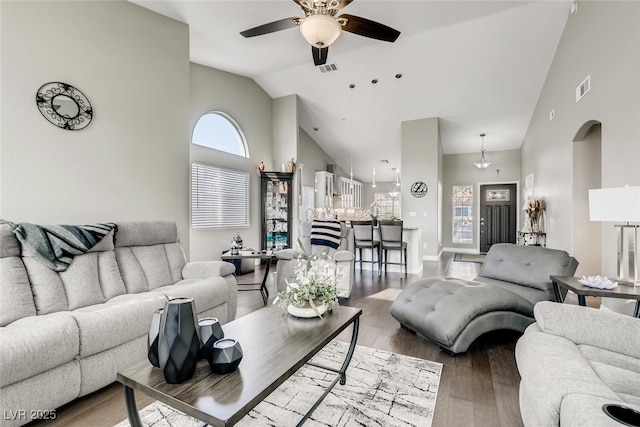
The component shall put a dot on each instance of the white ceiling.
(477, 65)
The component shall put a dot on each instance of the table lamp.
(621, 204)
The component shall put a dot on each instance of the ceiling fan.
(320, 27)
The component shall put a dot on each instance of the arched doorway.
(587, 174)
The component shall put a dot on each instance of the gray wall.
(251, 107)
(602, 40)
(421, 154)
(459, 170)
(313, 157)
(131, 162)
(587, 173)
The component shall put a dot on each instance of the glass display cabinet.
(277, 205)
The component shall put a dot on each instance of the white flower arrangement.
(314, 283)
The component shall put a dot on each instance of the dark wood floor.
(478, 388)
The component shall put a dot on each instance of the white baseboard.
(472, 251)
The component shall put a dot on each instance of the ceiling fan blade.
(320, 55)
(271, 27)
(368, 28)
(344, 3)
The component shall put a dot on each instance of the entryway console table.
(532, 238)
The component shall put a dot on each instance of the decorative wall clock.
(64, 106)
(419, 189)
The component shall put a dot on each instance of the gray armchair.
(343, 257)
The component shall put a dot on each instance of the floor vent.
(327, 68)
(583, 88)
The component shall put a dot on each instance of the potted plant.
(312, 290)
(375, 210)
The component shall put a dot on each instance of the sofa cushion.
(16, 299)
(551, 368)
(207, 293)
(35, 344)
(526, 265)
(326, 234)
(90, 279)
(145, 268)
(146, 233)
(9, 245)
(121, 319)
(616, 332)
(618, 371)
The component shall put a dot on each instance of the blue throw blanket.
(56, 245)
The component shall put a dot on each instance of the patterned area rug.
(383, 389)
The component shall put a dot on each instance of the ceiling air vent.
(327, 68)
(583, 88)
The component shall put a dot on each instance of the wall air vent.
(583, 88)
(327, 68)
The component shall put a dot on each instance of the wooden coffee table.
(275, 345)
(571, 283)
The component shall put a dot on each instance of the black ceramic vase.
(210, 332)
(152, 338)
(225, 356)
(178, 341)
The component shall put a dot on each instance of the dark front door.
(498, 214)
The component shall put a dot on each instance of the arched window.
(217, 130)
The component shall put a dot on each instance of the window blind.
(219, 197)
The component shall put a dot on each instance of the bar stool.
(391, 240)
(363, 239)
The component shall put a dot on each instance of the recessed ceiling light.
(316, 129)
(384, 161)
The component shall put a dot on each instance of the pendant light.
(373, 183)
(482, 163)
(395, 189)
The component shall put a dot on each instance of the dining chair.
(391, 240)
(363, 239)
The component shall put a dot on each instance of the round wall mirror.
(64, 105)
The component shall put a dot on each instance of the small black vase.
(178, 342)
(210, 331)
(152, 338)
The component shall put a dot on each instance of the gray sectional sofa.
(64, 335)
(574, 360)
(454, 312)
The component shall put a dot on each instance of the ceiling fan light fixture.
(482, 163)
(320, 30)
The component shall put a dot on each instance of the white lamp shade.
(621, 204)
(320, 30)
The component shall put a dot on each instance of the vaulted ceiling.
(477, 65)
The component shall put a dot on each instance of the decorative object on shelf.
(210, 331)
(375, 211)
(236, 244)
(621, 204)
(419, 189)
(482, 163)
(261, 167)
(64, 106)
(291, 166)
(534, 221)
(225, 356)
(313, 285)
(178, 342)
(152, 338)
(598, 282)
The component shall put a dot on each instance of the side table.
(571, 283)
(268, 256)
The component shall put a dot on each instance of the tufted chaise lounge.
(454, 312)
